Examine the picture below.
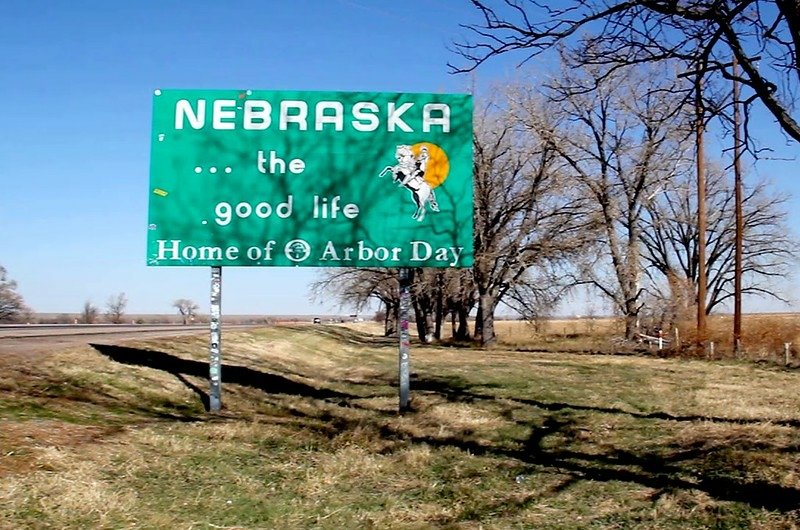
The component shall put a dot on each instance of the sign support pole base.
(215, 343)
(404, 357)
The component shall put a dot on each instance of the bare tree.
(115, 307)
(618, 143)
(357, 287)
(533, 303)
(186, 308)
(12, 305)
(527, 217)
(423, 299)
(670, 242)
(460, 297)
(434, 293)
(526, 214)
(762, 35)
(89, 313)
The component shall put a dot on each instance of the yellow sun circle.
(438, 164)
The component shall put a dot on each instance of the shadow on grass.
(352, 336)
(457, 389)
(238, 375)
(693, 467)
(548, 449)
(553, 443)
(689, 468)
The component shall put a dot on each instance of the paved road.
(28, 340)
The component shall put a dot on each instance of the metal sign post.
(405, 302)
(215, 353)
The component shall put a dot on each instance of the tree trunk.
(631, 309)
(479, 322)
(486, 307)
(630, 325)
(439, 316)
(462, 333)
(423, 318)
(390, 323)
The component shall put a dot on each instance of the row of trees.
(117, 304)
(587, 180)
(14, 309)
(114, 310)
(718, 44)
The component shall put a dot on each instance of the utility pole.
(701, 208)
(737, 172)
(701, 213)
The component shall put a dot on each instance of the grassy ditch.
(117, 436)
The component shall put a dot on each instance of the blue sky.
(78, 79)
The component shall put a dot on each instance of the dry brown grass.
(496, 439)
(763, 335)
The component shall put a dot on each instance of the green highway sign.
(320, 179)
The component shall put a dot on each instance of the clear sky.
(77, 85)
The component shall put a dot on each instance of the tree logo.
(297, 250)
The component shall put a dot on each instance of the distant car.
(317, 321)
